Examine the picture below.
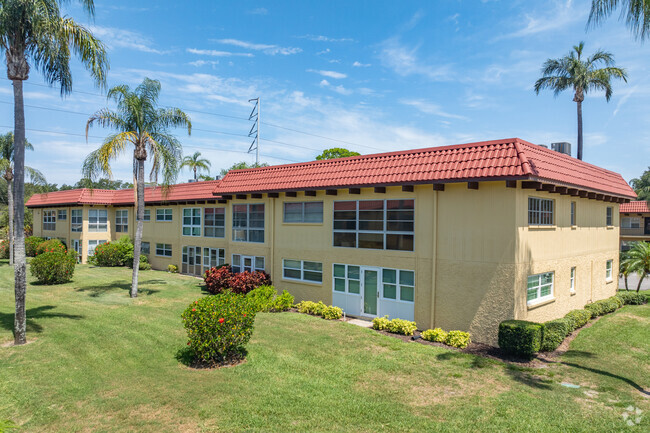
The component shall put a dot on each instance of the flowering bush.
(218, 327)
(54, 266)
(31, 243)
(118, 253)
(218, 280)
(4, 249)
(48, 245)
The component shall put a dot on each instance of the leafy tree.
(336, 152)
(581, 76)
(196, 163)
(36, 32)
(638, 260)
(139, 122)
(203, 177)
(243, 165)
(7, 166)
(641, 185)
(635, 12)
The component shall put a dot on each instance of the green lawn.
(101, 362)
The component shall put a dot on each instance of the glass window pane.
(406, 293)
(339, 271)
(314, 212)
(389, 276)
(345, 239)
(313, 276)
(313, 266)
(390, 291)
(399, 242)
(407, 278)
(291, 273)
(259, 262)
(354, 272)
(371, 240)
(293, 212)
(293, 264)
(339, 284)
(354, 287)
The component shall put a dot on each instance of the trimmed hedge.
(320, 309)
(603, 306)
(554, 333)
(577, 319)
(519, 337)
(631, 298)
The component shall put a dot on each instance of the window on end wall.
(49, 220)
(302, 270)
(573, 213)
(610, 216)
(347, 279)
(76, 220)
(540, 211)
(97, 220)
(214, 222)
(62, 214)
(572, 285)
(303, 212)
(398, 285)
(630, 222)
(540, 287)
(122, 221)
(192, 221)
(164, 214)
(608, 270)
(164, 250)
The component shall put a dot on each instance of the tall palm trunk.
(10, 202)
(579, 129)
(20, 265)
(195, 174)
(137, 243)
(641, 278)
(625, 279)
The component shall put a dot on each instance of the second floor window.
(147, 215)
(630, 222)
(164, 214)
(49, 220)
(214, 222)
(573, 213)
(540, 211)
(76, 220)
(62, 215)
(122, 220)
(610, 216)
(97, 220)
(303, 212)
(375, 224)
(248, 222)
(192, 221)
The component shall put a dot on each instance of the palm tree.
(196, 163)
(34, 31)
(636, 13)
(581, 76)
(139, 122)
(7, 167)
(638, 260)
(624, 267)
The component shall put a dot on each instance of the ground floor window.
(145, 248)
(92, 244)
(241, 263)
(164, 250)
(608, 270)
(347, 279)
(398, 285)
(573, 280)
(540, 287)
(213, 257)
(302, 270)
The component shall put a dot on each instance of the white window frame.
(164, 215)
(302, 271)
(347, 279)
(216, 211)
(538, 287)
(193, 229)
(398, 286)
(62, 214)
(630, 222)
(92, 244)
(238, 229)
(95, 223)
(164, 248)
(49, 220)
(254, 263)
(146, 215)
(146, 251)
(385, 232)
(121, 221)
(609, 216)
(220, 257)
(303, 205)
(573, 213)
(76, 220)
(538, 215)
(609, 270)
(572, 281)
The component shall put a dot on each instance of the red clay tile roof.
(179, 192)
(489, 160)
(639, 206)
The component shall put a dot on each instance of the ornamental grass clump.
(218, 328)
(54, 266)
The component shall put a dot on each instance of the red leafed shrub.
(217, 280)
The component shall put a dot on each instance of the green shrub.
(118, 253)
(144, 263)
(380, 323)
(519, 337)
(49, 246)
(31, 243)
(458, 339)
(318, 308)
(554, 333)
(172, 269)
(54, 267)
(400, 326)
(603, 306)
(332, 313)
(305, 307)
(577, 319)
(631, 298)
(618, 300)
(282, 302)
(262, 297)
(218, 327)
(437, 335)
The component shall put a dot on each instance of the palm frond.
(35, 176)
(98, 161)
(90, 50)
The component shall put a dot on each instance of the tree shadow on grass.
(96, 291)
(476, 361)
(630, 382)
(33, 317)
(524, 375)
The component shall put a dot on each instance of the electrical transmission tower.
(255, 129)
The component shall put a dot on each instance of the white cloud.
(360, 65)
(216, 53)
(430, 108)
(199, 63)
(325, 51)
(324, 83)
(258, 11)
(560, 16)
(120, 38)
(321, 38)
(330, 74)
(404, 61)
(271, 50)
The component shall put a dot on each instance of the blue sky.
(372, 75)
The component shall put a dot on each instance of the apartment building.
(460, 237)
(635, 223)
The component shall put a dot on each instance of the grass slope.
(99, 361)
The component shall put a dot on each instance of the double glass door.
(191, 261)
